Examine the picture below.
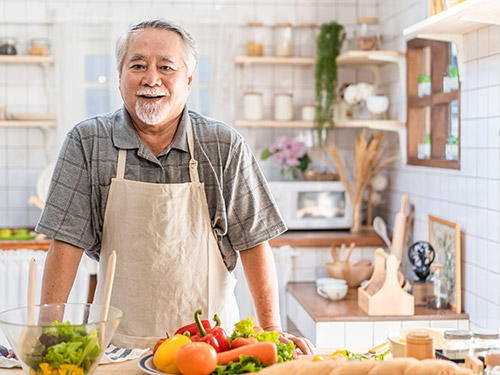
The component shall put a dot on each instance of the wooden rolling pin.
(398, 237)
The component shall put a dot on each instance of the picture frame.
(444, 237)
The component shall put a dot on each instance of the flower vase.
(287, 174)
(356, 218)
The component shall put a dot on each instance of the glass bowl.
(76, 344)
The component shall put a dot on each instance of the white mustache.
(148, 92)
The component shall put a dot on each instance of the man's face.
(154, 81)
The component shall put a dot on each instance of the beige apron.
(168, 261)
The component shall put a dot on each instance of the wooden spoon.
(108, 286)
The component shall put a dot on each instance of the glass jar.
(483, 341)
(419, 345)
(305, 39)
(437, 287)
(308, 112)
(367, 37)
(283, 107)
(456, 344)
(255, 42)
(8, 46)
(283, 39)
(40, 47)
(492, 362)
(253, 107)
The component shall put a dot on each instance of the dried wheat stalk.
(368, 161)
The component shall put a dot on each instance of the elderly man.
(175, 194)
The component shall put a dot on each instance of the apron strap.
(193, 164)
(122, 158)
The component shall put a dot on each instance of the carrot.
(265, 351)
(242, 341)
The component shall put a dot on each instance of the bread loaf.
(435, 367)
(396, 366)
(354, 368)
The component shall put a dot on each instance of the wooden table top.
(121, 368)
(323, 310)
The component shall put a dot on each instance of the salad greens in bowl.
(67, 338)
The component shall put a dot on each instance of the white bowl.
(329, 281)
(397, 339)
(377, 104)
(334, 292)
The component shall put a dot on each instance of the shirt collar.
(125, 136)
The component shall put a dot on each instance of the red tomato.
(196, 358)
(160, 341)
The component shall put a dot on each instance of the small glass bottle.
(419, 345)
(305, 39)
(456, 344)
(8, 46)
(255, 42)
(437, 288)
(483, 341)
(367, 37)
(492, 362)
(40, 47)
(283, 39)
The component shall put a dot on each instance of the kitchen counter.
(294, 238)
(343, 324)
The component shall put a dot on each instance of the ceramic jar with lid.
(8, 46)
(255, 41)
(253, 106)
(483, 341)
(283, 39)
(283, 107)
(308, 112)
(39, 47)
(456, 344)
(419, 345)
(367, 36)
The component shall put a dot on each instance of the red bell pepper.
(220, 335)
(215, 336)
(193, 328)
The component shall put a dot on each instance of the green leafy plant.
(427, 138)
(329, 44)
(424, 78)
(452, 140)
(452, 71)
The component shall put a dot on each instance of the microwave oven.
(312, 204)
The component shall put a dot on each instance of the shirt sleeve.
(253, 215)
(67, 214)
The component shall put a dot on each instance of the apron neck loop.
(193, 164)
(122, 158)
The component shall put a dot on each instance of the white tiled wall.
(22, 151)
(469, 196)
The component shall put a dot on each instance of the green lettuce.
(62, 343)
(244, 365)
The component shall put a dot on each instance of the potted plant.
(424, 149)
(329, 44)
(291, 155)
(451, 148)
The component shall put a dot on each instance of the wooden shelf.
(27, 124)
(383, 125)
(26, 59)
(452, 24)
(326, 238)
(275, 60)
(357, 58)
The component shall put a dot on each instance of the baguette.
(301, 366)
(396, 366)
(354, 368)
(436, 367)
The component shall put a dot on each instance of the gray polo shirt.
(242, 210)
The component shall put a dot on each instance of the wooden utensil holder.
(391, 298)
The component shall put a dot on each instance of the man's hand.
(302, 343)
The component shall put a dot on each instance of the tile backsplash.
(469, 196)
